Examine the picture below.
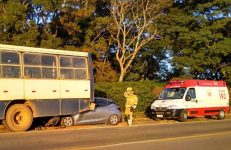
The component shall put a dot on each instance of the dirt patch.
(3, 129)
(138, 120)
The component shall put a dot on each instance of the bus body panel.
(41, 89)
(75, 88)
(90, 71)
(46, 107)
(70, 106)
(3, 106)
(4, 47)
(11, 89)
(51, 107)
(56, 107)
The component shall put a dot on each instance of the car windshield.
(101, 102)
(172, 93)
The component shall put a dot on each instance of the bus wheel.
(183, 116)
(18, 118)
(221, 115)
(67, 121)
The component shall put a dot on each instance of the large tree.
(62, 24)
(98, 41)
(200, 35)
(14, 26)
(154, 62)
(133, 26)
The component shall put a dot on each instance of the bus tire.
(19, 118)
(221, 115)
(183, 116)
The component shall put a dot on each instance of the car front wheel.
(67, 121)
(113, 120)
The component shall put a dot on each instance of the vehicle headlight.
(172, 106)
(153, 107)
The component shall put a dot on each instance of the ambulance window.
(191, 92)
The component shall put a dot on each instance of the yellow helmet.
(129, 89)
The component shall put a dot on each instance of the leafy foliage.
(188, 37)
(14, 27)
(199, 34)
(147, 92)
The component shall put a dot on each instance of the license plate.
(159, 116)
(159, 113)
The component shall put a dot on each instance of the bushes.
(147, 92)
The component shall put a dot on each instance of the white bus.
(38, 82)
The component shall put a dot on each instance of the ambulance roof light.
(182, 82)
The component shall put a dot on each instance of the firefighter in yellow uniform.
(131, 103)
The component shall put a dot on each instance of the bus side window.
(11, 71)
(66, 67)
(66, 73)
(32, 72)
(80, 74)
(79, 62)
(32, 59)
(32, 65)
(49, 67)
(27, 73)
(80, 66)
(10, 65)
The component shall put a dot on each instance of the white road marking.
(148, 141)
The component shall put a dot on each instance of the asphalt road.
(206, 135)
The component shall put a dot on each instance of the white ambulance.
(192, 98)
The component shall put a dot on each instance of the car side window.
(192, 93)
(100, 103)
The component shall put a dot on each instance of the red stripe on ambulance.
(210, 111)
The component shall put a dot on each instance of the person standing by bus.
(131, 104)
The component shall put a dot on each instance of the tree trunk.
(122, 74)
